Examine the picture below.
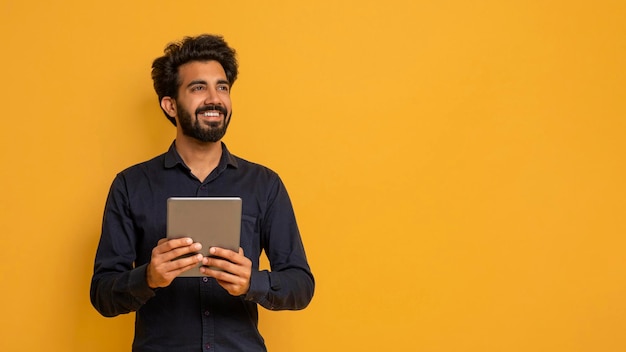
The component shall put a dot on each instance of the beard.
(204, 131)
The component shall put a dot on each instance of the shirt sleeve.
(117, 286)
(290, 284)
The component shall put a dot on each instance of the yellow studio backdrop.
(457, 167)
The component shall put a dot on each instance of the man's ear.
(169, 106)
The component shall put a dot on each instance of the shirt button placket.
(202, 191)
(208, 333)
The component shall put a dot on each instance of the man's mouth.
(211, 112)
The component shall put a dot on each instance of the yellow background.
(457, 167)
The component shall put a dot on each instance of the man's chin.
(207, 136)
(215, 125)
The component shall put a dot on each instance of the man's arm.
(117, 286)
(290, 283)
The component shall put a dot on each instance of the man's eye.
(196, 88)
(223, 88)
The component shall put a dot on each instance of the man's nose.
(212, 97)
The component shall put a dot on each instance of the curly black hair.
(205, 47)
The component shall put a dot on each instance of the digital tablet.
(214, 222)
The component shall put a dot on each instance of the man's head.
(166, 73)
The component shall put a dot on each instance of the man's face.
(203, 106)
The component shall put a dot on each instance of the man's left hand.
(236, 270)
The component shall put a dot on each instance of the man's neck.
(200, 157)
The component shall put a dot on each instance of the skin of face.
(203, 107)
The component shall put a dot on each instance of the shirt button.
(205, 279)
(206, 313)
(207, 346)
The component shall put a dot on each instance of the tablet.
(214, 222)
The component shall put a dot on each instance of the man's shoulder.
(140, 168)
(250, 166)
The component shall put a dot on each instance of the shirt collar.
(172, 158)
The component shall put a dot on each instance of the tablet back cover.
(212, 221)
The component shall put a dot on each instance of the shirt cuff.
(259, 286)
(139, 285)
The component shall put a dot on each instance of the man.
(136, 268)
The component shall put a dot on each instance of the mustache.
(212, 107)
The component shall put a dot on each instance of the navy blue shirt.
(196, 313)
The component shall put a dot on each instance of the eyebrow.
(201, 81)
(196, 81)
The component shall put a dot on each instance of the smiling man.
(136, 269)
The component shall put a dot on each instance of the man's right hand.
(163, 268)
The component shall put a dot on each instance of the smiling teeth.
(211, 114)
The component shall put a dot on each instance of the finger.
(220, 265)
(182, 252)
(175, 253)
(235, 285)
(171, 269)
(224, 270)
(170, 244)
(179, 266)
(222, 276)
(161, 273)
(228, 254)
(228, 260)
